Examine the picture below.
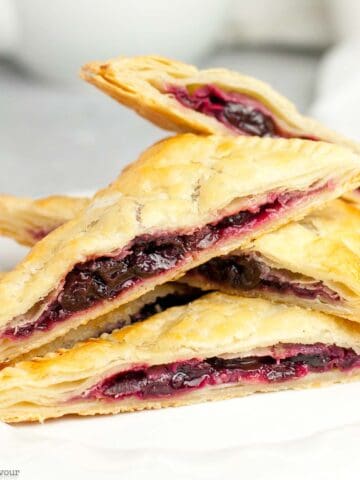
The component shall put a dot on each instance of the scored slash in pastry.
(216, 347)
(27, 221)
(188, 199)
(179, 97)
(314, 262)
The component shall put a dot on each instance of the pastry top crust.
(141, 83)
(324, 245)
(213, 325)
(180, 183)
(27, 220)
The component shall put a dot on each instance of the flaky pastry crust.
(142, 83)
(178, 185)
(215, 325)
(323, 247)
(27, 221)
(118, 318)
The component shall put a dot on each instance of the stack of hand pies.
(221, 263)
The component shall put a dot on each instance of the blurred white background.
(58, 134)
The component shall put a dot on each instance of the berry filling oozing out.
(247, 272)
(107, 277)
(237, 111)
(294, 361)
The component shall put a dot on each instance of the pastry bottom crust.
(341, 309)
(26, 412)
(109, 322)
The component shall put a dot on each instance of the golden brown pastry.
(27, 221)
(187, 200)
(181, 98)
(216, 347)
(313, 263)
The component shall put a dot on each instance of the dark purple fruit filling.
(105, 278)
(237, 111)
(247, 272)
(168, 380)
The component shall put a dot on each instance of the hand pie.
(27, 221)
(216, 347)
(313, 263)
(179, 97)
(188, 199)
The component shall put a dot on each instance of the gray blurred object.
(290, 23)
(57, 36)
(338, 85)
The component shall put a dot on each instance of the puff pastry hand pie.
(27, 221)
(179, 97)
(187, 200)
(216, 347)
(314, 262)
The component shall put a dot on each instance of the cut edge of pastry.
(327, 156)
(217, 329)
(140, 82)
(157, 300)
(26, 412)
(313, 263)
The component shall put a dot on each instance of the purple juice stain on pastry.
(237, 111)
(107, 277)
(40, 233)
(293, 361)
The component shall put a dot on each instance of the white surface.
(306, 434)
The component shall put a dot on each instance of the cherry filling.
(107, 277)
(237, 111)
(247, 272)
(294, 361)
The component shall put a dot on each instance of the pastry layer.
(314, 263)
(179, 97)
(186, 200)
(27, 221)
(104, 278)
(158, 300)
(215, 347)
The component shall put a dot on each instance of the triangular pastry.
(216, 347)
(188, 199)
(179, 97)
